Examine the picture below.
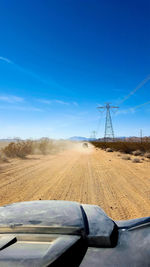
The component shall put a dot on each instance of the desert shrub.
(47, 146)
(43, 145)
(20, 149)
(147, 155)
(126, 157)
(137, 153)
(124, 147)
(3, 158)
(136, 160)
(109, 149)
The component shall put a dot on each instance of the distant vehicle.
(63, 233)
(85, 145)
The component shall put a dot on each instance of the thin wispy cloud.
(75, 103)
(6, 60)
(13, 102)
(11, 99)
(56, 101)
(61, 102)
(22, 108)
(44, 101)
(50, 83)
(30, 109)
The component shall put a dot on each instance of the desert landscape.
(88, 175)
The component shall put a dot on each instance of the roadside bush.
(137, 153)
(136, 160)
(109, 150)
(43, 145)
(124, 147)
(147, 155)
(126, 157)
(3, 158)
(20, 149)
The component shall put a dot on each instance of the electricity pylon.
(109, 132)
(93, 135)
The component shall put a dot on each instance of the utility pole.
(141, 135)
(93, 135)
(109, 132)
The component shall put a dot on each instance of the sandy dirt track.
(120, 187)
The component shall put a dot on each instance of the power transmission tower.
(141, 135)
(109, 132)
(93, 135)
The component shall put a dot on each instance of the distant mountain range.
(9, 140)
(130, 138)
(80, 138)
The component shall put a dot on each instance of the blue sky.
(60, 59)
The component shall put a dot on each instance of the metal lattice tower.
(93, 135)
(109, 132)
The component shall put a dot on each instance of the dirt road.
(120, 187)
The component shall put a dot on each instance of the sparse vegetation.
(3, 158)
(125, 147)
(20, 149)
(136, 160)
(147, 155)
(125, 157)
(109, 149)
(43, 146)
(137, 153)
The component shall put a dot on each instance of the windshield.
(75, 104)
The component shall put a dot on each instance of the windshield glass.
(75, 104)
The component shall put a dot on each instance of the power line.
(136, 107)
(98, 125)
(133, 91)
(146, 103)
(109, 132)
